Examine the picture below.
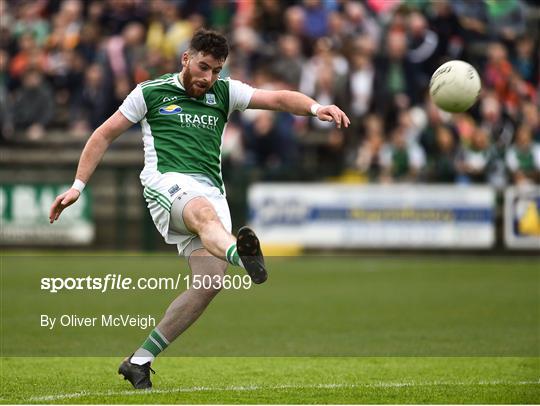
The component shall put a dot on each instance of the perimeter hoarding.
(24, 216)
(522, 217)
(373, 216)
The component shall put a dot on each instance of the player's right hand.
(335, 114)
(61, 202)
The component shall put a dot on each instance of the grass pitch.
(277, 380)
(321, 330)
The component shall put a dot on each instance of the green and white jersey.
(526, 161)
(181, 133)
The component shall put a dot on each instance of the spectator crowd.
(66, 65)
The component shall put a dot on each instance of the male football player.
(183, 117)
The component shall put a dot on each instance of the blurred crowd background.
(65, 66)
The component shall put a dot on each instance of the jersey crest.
(210, 98)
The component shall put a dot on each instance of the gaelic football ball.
(455, 86)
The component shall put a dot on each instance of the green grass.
(321, 330)
(277, 380)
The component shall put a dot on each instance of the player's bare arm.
(298, 104)
(91, 155)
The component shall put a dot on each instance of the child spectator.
(523, 158)
(401, 161)
(475, 160)
(369, 153)
(442, 164)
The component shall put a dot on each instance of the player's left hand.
(335, 114)
(61, 202)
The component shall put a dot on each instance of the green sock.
(232, 256)
(155, 343)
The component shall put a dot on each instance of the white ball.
(455, 86)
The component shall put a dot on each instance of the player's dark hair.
(210, 42)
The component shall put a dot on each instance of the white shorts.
(161, 190)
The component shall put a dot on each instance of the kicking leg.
(199, 217)
(181, 314)
(187, 307)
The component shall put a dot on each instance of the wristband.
(314, 108)
(78, 185)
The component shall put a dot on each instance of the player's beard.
(191, 86)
